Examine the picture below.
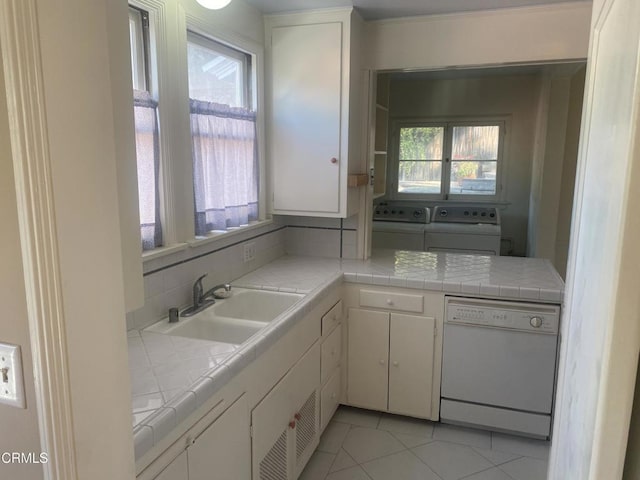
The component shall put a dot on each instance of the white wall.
(632, 460)
(530, 34)
(14, 327)
(555, 154)
(512, 96)
(78, 100)
(565, 206)
(601, 319)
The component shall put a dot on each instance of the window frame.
(229, 51)
(140, 69)
(167, 46)
(448, 123)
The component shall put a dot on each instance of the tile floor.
(364, 445)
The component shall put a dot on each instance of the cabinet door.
(368, 359)
(223, 450)
(305, 117)
(411, 347)
(329, 398)
(177, 470)
(331, 354)
(276, 450)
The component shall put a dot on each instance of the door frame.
(34, 194)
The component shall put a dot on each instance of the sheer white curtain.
(225, 166)
(148, 160)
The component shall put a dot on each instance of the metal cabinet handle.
(334, 160)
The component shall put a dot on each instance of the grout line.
(422, 461)
(480, 471)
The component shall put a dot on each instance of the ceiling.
(379, 9)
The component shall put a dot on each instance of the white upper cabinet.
(314, 94)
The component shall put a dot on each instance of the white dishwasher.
(499, 365)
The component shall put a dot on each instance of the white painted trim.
(32, 171)
(560, 7)
(161, 90)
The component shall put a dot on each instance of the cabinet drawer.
(331, 353)
(392, 301)
(331, 318)
(329, 399)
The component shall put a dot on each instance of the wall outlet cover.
(11, 379)
(249, 252)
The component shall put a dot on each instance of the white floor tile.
(403, 465)
(411, 441)
(318, 466)
(353, 473)
(496, 457)
(491, 474)
(466, 436)
(411, 426)
(526, 468)
(357, 416)
(333, 437)
(451, 461)
(343, 460)
(526, 447)
(364, 444)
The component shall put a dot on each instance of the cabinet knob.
(381, 362)
(292, 424)
(389, 301)
(333, 395)
(395, 364)
(297, 416)
(334, 160)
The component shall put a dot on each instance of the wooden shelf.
(357, 180)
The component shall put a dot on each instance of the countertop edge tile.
(142, 440)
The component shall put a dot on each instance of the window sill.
(214, 236)
(200, 241)
(163, 251)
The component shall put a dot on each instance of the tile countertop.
(172, 376)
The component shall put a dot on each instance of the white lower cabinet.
(329, 398)
(391, 362)
(330, 364)
(223, 449)
(285, 424)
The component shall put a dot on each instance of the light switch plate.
(11, 379)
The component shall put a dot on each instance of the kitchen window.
(223, 133)
(448, 160)
(146, 131)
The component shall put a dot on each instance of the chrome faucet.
(198, 295)
(212, 292)
(202, 299)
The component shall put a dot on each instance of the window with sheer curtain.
(147, 134)
(223, 130)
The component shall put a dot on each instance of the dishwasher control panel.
(529, 317)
